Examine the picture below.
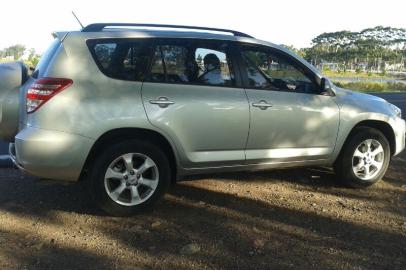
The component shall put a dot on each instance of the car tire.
(358, 164)
(129, 177)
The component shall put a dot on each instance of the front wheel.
(364, 158)
(129, 177)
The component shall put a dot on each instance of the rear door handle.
(162, 102)
(262, 104)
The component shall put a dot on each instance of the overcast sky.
(292, 22)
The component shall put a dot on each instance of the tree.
(17, 51)
(33, 58)
(297, 51)
(368, 48)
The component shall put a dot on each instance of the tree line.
(20, 52)
(378, 49)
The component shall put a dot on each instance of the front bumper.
(400, 135)
(50, 154)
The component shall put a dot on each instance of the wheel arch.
(122, 134)
(382, 126)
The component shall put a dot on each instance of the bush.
(326, 68)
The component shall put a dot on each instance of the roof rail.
(96, 27)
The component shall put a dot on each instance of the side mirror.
(326, 87)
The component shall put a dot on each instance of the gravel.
(283, 219)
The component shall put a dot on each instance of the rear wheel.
(129, 177)
(364, 158)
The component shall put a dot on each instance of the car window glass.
(104, 53)
(157, 72)
(46, 58)
(214, 67)
(268, 70)
(169, 64)
(193, 63)
(125, 60)
(253, 61)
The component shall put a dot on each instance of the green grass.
(348, 74)
(364, 86)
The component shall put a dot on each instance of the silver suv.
(132, 108)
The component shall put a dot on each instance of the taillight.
(43, 90)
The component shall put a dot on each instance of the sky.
(291, 22)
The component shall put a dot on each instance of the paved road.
(4, 160)
(3, 148)
(399, 99)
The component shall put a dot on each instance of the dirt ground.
(286, 219)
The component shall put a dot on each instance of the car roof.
(173, 33)
(102, 26)
(161, 33)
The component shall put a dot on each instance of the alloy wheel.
(131, 179)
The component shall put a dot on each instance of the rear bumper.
(50, 154)
(12, 154)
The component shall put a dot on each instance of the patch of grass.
(349, 74)
(364, 86)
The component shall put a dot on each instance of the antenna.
(76, 17)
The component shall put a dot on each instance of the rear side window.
(121, 59)
(192, 62)
(169, 64)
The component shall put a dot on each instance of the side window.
(121, 59)
(104, 53)
(274, 71)
(157, 72)
(214, 67)
(169, 64)
(253, 61)
(192, 63)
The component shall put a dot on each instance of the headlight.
(398, 112)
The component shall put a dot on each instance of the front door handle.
(262, 104)
(162, 102)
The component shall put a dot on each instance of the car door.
(291, 120)
(192, 94)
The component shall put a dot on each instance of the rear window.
(121, 59)
(46, 58)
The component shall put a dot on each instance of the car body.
(203, 127)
